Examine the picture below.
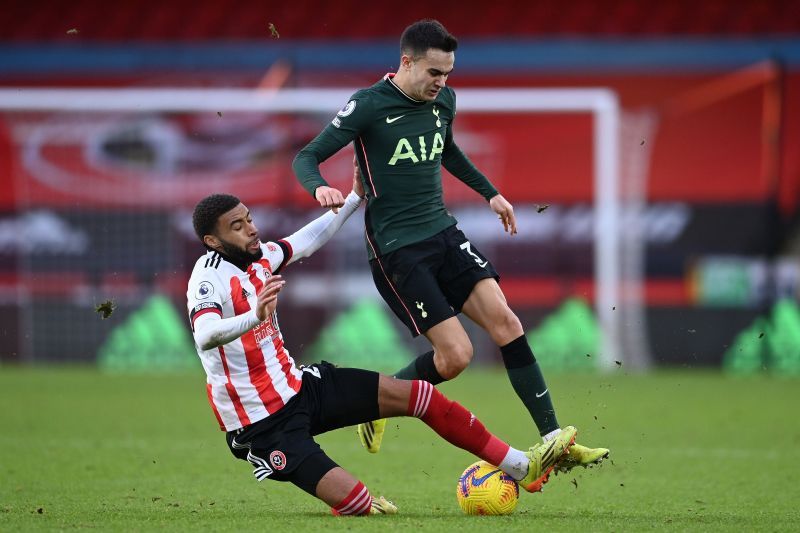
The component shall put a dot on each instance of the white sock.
(550, 436)
(515, 464)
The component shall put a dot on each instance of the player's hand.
(329, 197)
(268, 297)
(505, 212)
(358, 187)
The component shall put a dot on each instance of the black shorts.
(427, 282)
(281, 446)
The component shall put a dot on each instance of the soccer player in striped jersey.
(269, 408)
(425, 268)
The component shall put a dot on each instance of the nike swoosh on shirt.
(542, 394)
(389, 120)
(390, 242)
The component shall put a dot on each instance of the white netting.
(104, 167)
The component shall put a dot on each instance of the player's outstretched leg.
(526, 378)
(461, 428)
(487, 307)
(423, 367)
(523, 370)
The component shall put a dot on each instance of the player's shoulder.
(359, 102)
(447, 96)
(209, 260)
(378, 91)
(380, 87)
(367, 93)
(206, 279)
(207, 267)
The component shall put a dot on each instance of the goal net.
(100, 184)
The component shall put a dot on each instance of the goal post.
(601, 103)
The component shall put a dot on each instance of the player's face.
(428, 74)
(238, 235)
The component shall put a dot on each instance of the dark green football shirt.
(401, 144)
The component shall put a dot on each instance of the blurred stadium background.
(95, 205)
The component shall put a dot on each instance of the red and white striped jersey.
(253, 375)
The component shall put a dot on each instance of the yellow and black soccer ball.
(484, 489)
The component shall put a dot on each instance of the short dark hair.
(208, 210)
(423, 35)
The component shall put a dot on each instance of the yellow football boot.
(581, 456)
(371, 434)
(543, 458)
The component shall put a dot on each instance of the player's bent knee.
(506, 327)
(453, 362)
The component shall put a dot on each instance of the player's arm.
(346, 126)
(458, 164)
(211, 330)
(313, 235)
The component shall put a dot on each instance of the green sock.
(528, 382)
(421, 368)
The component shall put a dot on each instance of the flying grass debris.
(106, 308)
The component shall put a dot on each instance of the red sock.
(454, 423)
(358, 502)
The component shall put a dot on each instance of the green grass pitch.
(691, 451)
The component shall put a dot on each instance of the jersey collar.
(390, 80)
(241, 265)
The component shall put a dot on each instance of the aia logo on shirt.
(272, 247)
(278, 460)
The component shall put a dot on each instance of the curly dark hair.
(422, 35)
(208, 210)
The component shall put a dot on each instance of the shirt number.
(314, 371)
(468, 248)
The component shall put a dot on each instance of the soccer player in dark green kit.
(424, 267)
